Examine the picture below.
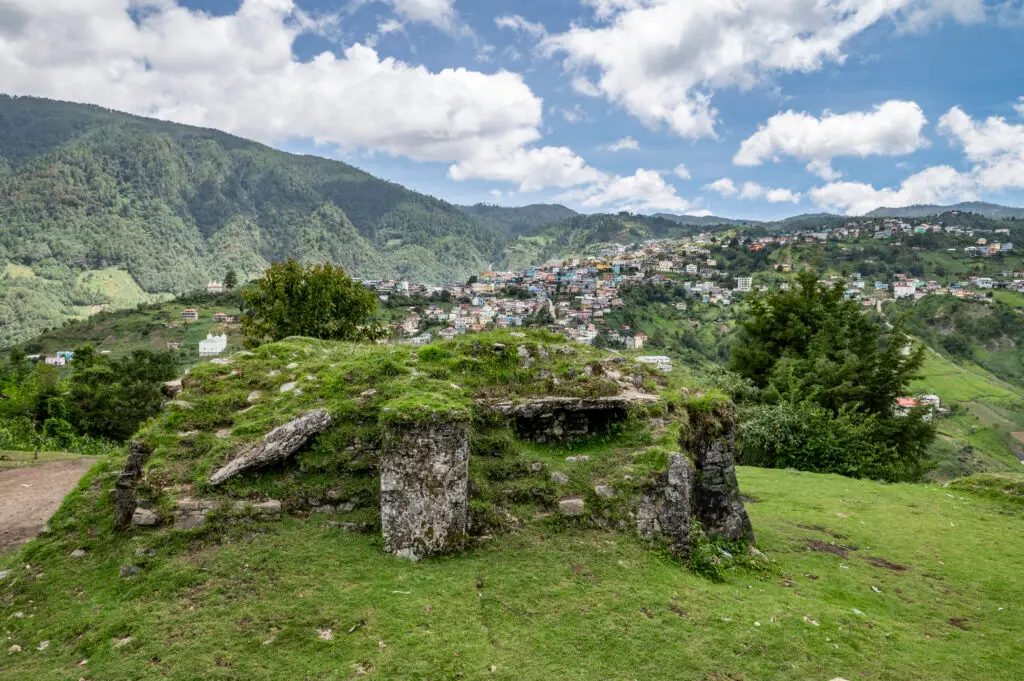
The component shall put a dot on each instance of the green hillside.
(83, 190)
(870, 582)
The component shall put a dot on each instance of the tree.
(318, 301)
(230, 280)
(818, 353)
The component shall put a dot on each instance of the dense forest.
(86, 190)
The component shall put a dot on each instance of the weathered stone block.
(278, 445)
(559, 478)
(145, 517)
(571, 507)
(666, 509)
(424, 482)
(124, 490)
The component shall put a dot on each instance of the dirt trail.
(30, 495)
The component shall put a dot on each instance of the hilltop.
(853, 579)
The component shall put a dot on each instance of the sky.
(740, 108)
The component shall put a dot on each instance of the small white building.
(215, 287)
(213, 345)
(903, 289)
(744, 284)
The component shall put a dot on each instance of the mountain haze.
(989, 210)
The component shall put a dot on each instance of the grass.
(24, 459)
(546, 602)
(117, 286)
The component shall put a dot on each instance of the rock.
(179, 404)
(124, 488)
(288, 387)
(559, 478)
(536, 467)
(577, 459)
(360, 528)
(711, 437)
(517, 334)
(223, 361)
(563, 418)
(297, 392)
(604, 491)
(293, 365)
(129, 571)
(145, 553)
(571, 507)
(276, 446)
(253, 396)
(424, 496)
(498, 348)
(189, 520)
(79, 553)
(541, 352)
(523, 351)
(171, 388)
(223, 433)
(14, 649)
(666, 508)
(271, 507)
(121, 642)
(144, 517)
(274, 374)
(43, 645)
(4, 573)
(368, 393)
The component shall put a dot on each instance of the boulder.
(130, 571)
(571, 507)
(559, 478)
(604, 491)
(424, 486)
(278, 445)
(144, 517)
(171, 388)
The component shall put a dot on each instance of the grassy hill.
(83, 190)
(869, 582)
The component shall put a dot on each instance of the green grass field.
(24, 459)
(871, 582)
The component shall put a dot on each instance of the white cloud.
(518, 23)
(440, 13)
(682, 172)
(751, 191)
(890, 129)
(237, 73)
(573, 115)
(995, 146)
(644, 191)
(662, 60)
(724, 186)
(624, 144)
(938, 184)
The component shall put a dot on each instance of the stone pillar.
(666, 509)
(124, 489)
(424, 486)
(710, 435)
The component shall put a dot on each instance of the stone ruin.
(424, 475)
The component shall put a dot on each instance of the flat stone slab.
(571, 507)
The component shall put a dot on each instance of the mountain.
(515, 220)
(704, 220)
(104, 208)
(989, 210)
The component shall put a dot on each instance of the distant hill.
(989, 210)
(514, 220)
(86, 190)
(704, 220)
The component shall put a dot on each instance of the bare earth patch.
(1018, 435)
(30, 495)
(825, 547)
(883, 563)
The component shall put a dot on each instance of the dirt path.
(30, 495)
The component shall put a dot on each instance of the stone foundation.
(556, 419)
(666, 509)
(424, 476)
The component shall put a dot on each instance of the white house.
(213, 345)
(744, 284)
(903, 289)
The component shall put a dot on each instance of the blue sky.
(761, 108)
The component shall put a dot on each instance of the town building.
(213, 345)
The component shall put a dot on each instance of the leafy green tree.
(111, 398)
(319, 301)
(230, 280)
(813, 354)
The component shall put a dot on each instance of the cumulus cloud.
(724, 186)
(662, 60)
(644, 191)
(440, 13)
(624, 144)
(994, 145)
(238, 73)
(890, 129)
(938, 184)
(751, 191)
(682, 172)
(518, 23)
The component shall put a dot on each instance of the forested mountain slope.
(83, 189)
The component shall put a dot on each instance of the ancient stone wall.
(424, 477)
(124, 490)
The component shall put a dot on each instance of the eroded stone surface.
(424, 477)
(666, 509)
(277, 446)
(553, 419)
(571, 507)
(124, 489)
